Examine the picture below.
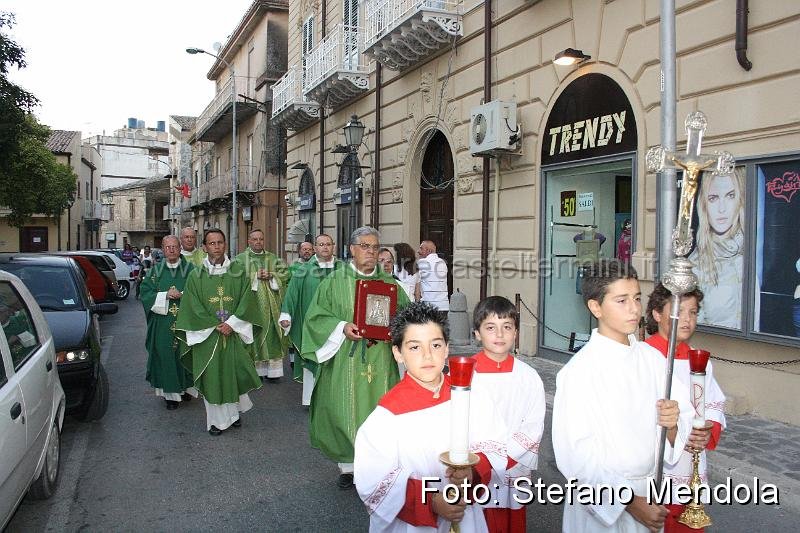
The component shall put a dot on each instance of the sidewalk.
(750, 446)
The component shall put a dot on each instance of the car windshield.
(52, 287)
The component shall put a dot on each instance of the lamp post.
(353, 133)
(234, 236)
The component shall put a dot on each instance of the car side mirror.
(104, 309)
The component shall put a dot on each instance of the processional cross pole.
(679, 278)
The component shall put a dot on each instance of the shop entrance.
(436, 200)
(588, 210)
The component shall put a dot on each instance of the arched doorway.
(307, 209)
(348, 212)
(436, 183)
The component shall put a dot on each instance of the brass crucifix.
(693, 163)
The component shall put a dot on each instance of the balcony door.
(350, 34)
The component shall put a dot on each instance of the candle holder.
(694, 516)
(459, 456)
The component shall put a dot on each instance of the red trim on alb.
(409, 396)
(485, 365)
(415, 512)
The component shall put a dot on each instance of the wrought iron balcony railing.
(334, 70)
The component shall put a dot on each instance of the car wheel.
(99, 404)
(124, 290)
(45, 485)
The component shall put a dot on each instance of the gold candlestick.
(694, 516)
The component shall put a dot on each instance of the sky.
(94, 63)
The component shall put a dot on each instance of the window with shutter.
(350, 35)
(308, 42)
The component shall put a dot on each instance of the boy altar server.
(659, 325)
(400, 442)
(608, 410)
(517, 394)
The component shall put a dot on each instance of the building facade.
(573, 140)
(138, 213)
(78, 226)
(256, 51)
(132, 153)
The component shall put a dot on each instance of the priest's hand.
(649, 514)
(452, 512)
(351, 332)
(263, 274)
(225, 329)
(699, 437)
(284, 324)
(174, 294)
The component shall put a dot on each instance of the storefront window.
(776, 302)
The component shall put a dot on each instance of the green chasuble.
(222, 366)
(306, 277)
(270, 343)
(349, 384)
(164, 348)
(196, 257)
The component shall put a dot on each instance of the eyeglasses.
(366, 246)
(325, 244)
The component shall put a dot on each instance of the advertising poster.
(777, 289)
(719, 244)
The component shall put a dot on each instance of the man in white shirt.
(433, 277)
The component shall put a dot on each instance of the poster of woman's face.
(718, 255)
(777, 288)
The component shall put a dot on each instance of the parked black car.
(58, 286)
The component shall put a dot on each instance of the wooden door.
(436, 200)
(33, 239)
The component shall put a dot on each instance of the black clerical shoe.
(215, 431)
(171, 405)
(186, 397)
(345, 481)
(237, 423)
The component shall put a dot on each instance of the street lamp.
(353, 133)
(234, 236)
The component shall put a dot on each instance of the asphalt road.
(145, 468)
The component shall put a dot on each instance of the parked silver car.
(31, 400)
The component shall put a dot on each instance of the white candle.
(459, 425)
(698, 396)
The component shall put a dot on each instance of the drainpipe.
(376, 182)
(487, 97)
(667, 197)
(741, 34)
(494, 225)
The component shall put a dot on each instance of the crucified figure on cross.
(692, 162)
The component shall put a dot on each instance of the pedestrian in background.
(433, 277)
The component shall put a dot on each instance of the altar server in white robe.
(706, 438)
(608, 410)
(400, 442)
(517, 394)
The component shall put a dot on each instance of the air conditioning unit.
(493, 129)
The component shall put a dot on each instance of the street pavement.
(145, 468)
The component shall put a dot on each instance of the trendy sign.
(591, 118)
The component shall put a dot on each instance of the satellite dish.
(216, 46)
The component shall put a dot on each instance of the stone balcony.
(335, 73)
(216, 120)
(92, 210)
(290, 108)
(402, 33)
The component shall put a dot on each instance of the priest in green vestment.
(219, 316)
(303, 285)
(305, 250)
(269, 278)
(189, 249)
(351, 376)
(161, 292)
